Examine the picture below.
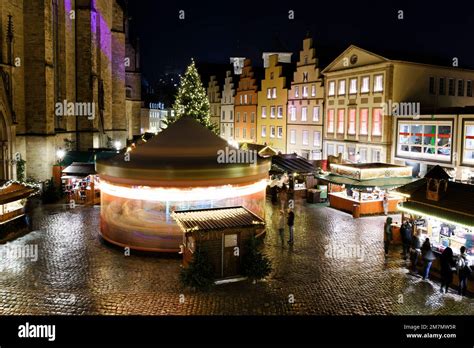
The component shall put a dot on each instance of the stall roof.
(80, 169)
(440, 212)
(382, 182)
(215, 219)
(11, 192)
(292, 163)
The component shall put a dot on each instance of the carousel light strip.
(415, 212)
(177, 194)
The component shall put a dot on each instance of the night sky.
(214, 31)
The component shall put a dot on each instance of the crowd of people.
(418, 251)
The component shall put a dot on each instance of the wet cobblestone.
(77, 273)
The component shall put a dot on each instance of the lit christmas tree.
(191, 99)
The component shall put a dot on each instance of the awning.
(80, 169)
(448, 216)
(15, 192)
(382, 182)
(291, 164)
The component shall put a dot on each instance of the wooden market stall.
(443, 211)
(360, 189)
(219, 232)
(81, 184)
(13, 199)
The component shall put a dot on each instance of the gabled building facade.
(246, 100)
(227, 107)
(305, 106)
(214, 96)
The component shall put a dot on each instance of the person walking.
(281, 227)
(406, 234)
(428, 258)
(464, 270)
(387, 234)
(415, 251)
(385, 204)
(291, 223)
(283, 197)
(447, 265)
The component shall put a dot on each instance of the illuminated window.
(376, 156)
(352, 121)
(332, 88)
(330, 121)
(245, 117)
(293, 113)
(252, 133)
(340, 121)
(269, 93)
(293, 136)
(317, 139)
(305, 91)
(297, 91)
(378, 83)
(342, 87)
(280, 132)
(272, 131)
(244, 133)
(364, 88)
(241, 99)
(331, 150)
(469, 144)
(304, 114)
(364, 123)
(264, 111)
(264, 131)
(280, 112)
(305, 137)
(377, 121)
(316, 113)
(237, 119)
(237, 132)
(272, 112)
(245, 99)
(274, 93)
(353, 86)
(313, 90)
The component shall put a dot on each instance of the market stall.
(360, 189)
(81, 184)
(443, 211)
(13, 199)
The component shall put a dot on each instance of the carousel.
(181, 168)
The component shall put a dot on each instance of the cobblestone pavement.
(77, 273)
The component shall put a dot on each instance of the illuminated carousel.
(178, 169)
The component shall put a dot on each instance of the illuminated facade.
(176, 170)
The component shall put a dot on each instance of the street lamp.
(60, 153)
(117, 145)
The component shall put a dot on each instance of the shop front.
(364, 189)
(81, 184)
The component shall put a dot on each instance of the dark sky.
(215, 30)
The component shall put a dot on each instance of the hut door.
(230, 255)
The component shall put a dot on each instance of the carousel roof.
(186, 150)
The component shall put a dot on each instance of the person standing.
(283, 197)
(385, 204)
(291, 223)
(428, 258)
(415, 251)
(447, 265)
(387, 234)
(406, 234)
(281, 227)
(464, 270)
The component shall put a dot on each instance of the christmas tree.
(199, 274)
(191, 99)
(255, 265)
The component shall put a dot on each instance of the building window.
(237, 119)
(340, 149)
(442, 86)
(244, 133)
(280, 132)
(377, 122)
(331, 121)
(245, 117)
(332, 88)
(264, 131)
(272, 112)
(293, 136)
(272, 131)
(451, 87)
(293, 113)
(297, 91)
(231, 115)
(245, 99)
(460, 88)
(340, 121)
(352, 122)
(304, 114)
(468, 88)
(331, 150)
(252, 117)
(342, 87)
(280, 112)
(432, 88)
(364, 88)
(378, 83)
(264, 112)
(364, 121)
(353, 86)
(317, 139)
(315, 113)
(305, 91)
(313, 90)
(269, 93)
(425, 140)
(274, 93)
(223, 115)
(376, 156)
(241, 99)
(468, 156)
(237, 132)
(252, 133)
(305, 137)
(363, 155)
(351, 153)
(271, 76)
(305, 77)
(231, 131)
(250, 99)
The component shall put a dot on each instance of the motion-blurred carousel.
(181, 168)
